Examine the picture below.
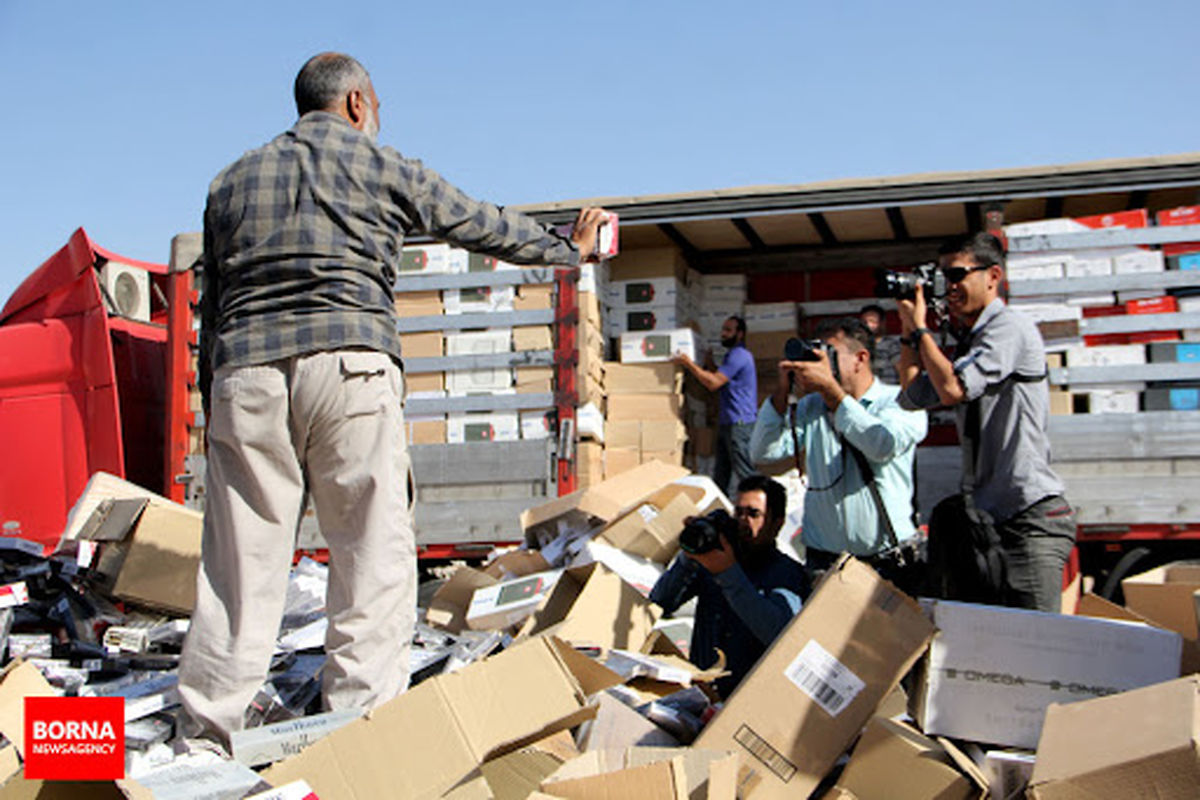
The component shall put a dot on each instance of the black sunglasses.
(747, 511)
(957, 274)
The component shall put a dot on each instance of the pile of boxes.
(1060, 316)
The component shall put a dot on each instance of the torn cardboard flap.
(592, 606)
(449, 604)
(162, 559)
(1138, 744)
(663, 667)
(663, 780)
(20, 679)
(1165, 596)
(651, 530)
(888, 749)
(514, 775)
(428, 739)
(604, 501)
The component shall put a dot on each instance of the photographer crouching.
(858, 447)
(747, 590)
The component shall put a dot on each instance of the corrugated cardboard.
(895, 761)
(620, 460)
(664, 780)
(1139, 744)
(701, 773)
(651, 530)
(822, 679)
(642, 378)
(163, 558)
(19, 680)
(617, 726)
(534, 297)
(421, 345)
(427, 431)
(515, 775)
(644, 263)
(532, 337)
(623, 433)
(419, 304)
(449, 604)
(666, 407)
(1165, 596)
(592, 606)
(424, 381)
(604, 501)
(992, 672)
(428, 739)
(516, 564)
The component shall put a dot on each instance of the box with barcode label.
(813, 691)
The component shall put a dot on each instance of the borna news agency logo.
(75, 738)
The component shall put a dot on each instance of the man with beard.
(747, 590)
(302, 386)
(737, 382)
(996, 383)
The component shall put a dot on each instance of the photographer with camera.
(747, 591)
(1006, 538)
(858, 447)
(737, 382)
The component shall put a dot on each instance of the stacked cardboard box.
(648, 291)
(645, 415)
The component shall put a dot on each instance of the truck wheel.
(1128, 565)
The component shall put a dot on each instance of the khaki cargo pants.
(332, 423)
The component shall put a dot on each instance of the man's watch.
(914, 338)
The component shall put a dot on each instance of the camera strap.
(868, 474)
(795, 439)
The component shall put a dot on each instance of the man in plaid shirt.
(302, 387)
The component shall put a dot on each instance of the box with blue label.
(1182, 398)
(1175, 353)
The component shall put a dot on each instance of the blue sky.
(118, 114)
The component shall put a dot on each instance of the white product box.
(647, 346)
(426, 259)
(479, 300)
(1089, 267)
(1108, 401)
(490, 379)
(1106, 355)
(1049, 312)
(483, 426)
(1137, 294)
(535, 424)
(644, 292)
(1030, 268)
(991, 672)
(1008, 773)
(1139, 261)
(1088, 300)
(647, 318)
(763, 317)
(594, 278)
(509, 602)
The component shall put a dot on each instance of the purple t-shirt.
(739, 397)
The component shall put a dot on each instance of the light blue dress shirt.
(839, 512)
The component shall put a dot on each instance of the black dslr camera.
(903, 285)
(807, 349)
(703, 534)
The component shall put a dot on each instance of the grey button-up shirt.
(1012, 458)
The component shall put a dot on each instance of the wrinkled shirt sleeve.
(764, 614)
(677, 585)
(882, 435)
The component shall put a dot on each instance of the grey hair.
(325, 79)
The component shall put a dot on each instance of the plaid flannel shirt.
(302, 241)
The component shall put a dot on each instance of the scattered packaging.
(509, 602)
(592, 606)
(889, 749)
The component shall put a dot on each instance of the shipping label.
(829, 682)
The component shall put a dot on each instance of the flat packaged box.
(1139, 745)
(650, 346)
(662, 407)
(648, 318)
(1141, 261)
(651, 530)
(419, 304)
(427, 431)
(424, 382)
(815, 688)
(510, 602)
(422, 345)
(632, 294)
(428, 739)
(761, 317)
(483, 426)
(642, 378)
(532, 337)
(426, 259)
(478, 300)
(991, 672)
(536, 424)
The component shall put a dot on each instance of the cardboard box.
(489, 379)
(1164, 595)
(662, 437)
(534, 380)
(589, 463)
(620, 460)
(642, 347)
(427, 431)
(1152, 305)
(1139, 261)
(490, 426)
(813, 691)
(1139, 744)
(424, 382)
(666, 773)
(632, 294)
(664, 407)
(992, 672)
(428, 739)
(771, 317)
(665, 378)
(536, 424)
(516, 564)
(650, 262)
(419, 304)
(449, 604)
(768, 346)
(623, 434)
(421, 345)
(597, 504)
(515, 775)
(510, 602)
(532, 337)
(895, 761)
(426, 259)
(160, 558)
(534, 297)
(592, 606)
(652, 529)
